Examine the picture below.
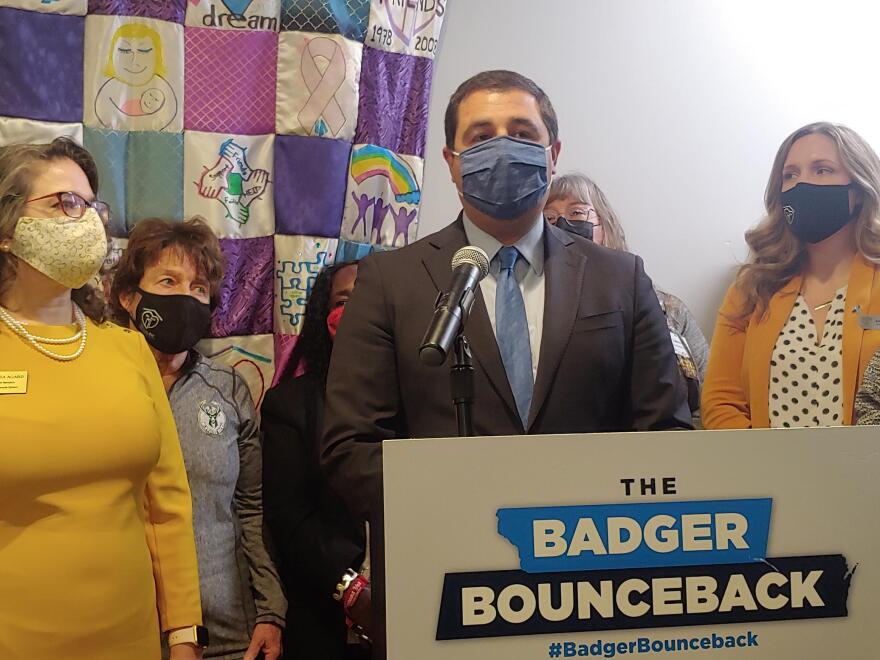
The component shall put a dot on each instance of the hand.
(361, 612)
(213, 181)
(186, 652)
(254, 186)
(266, 638)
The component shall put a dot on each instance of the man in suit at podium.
(567, 336)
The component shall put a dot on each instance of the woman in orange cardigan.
(802, 320)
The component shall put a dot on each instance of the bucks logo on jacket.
(212, 419)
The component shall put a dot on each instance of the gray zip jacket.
(220, 438)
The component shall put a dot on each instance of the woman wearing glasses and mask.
(97, 554)
(796, 329)
(577, 204)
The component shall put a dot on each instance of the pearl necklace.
(35, 340)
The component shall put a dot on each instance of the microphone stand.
(461, 380)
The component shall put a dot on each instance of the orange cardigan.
(736, 390)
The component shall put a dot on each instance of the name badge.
(13, 382)
(869, 322)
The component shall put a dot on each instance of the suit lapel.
(478, 328)
(563, 281)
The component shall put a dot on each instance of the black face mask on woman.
(173, 323)
(579, 227)
(815, 212)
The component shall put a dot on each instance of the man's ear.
(554, 154)
(449, 157)
(453, 166)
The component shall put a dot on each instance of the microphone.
(469, 265)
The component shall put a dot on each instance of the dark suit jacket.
(313, 533)
(606, 360)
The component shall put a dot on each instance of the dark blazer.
(606, 360)
(314, 535)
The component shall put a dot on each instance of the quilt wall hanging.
(296, 128)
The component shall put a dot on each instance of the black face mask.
(581, 228)
(816, 212)
(172, 324)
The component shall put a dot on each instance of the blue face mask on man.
(504, 177)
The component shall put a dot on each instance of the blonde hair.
(775, 253)
(584, 189)
(135, 31)
(18, 166)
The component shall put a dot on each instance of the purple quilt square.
(393, 107)
(229, 85)
(284, 345)
(310, 180)
(164, 10)
(248, 290)
(41, 66)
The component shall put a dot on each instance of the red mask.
(333, 319)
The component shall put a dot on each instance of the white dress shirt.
(529, 271)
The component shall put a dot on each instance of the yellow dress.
(96, 542)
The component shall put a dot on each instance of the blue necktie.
(512, 332)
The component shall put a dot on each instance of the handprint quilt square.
(229, 180)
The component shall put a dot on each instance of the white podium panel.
(753, 544)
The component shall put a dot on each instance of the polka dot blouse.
(805, 373)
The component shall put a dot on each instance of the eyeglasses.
(74, 206)
(576, 215)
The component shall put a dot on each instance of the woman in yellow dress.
(97, 555)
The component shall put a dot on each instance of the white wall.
(675, 108)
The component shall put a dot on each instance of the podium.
(754, 544)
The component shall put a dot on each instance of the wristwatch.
(197, 635)
(344, 583)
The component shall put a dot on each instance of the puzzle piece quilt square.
(312, 174)
(318, 82)
(406, 26)
(382, 200)
(247, 292)
(229, 180)
(133, 74)
(234, 14)
(68, 7)
(394, 97)
(41, 69)
(14, 130)
(350, 251)
(252, 357)
(298, 260)
(230, 81)
(141, 175)
(164, 10)
(346, 17)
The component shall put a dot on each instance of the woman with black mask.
(320, 548)
(790, 343)
(166, 283)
